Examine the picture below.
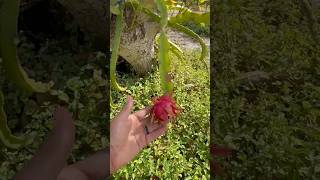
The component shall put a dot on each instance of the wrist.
(112, 162)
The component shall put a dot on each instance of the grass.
(78, 72)
(266, 95)
(78, 76)
(183, 151)
(201, 30)
(267, 90)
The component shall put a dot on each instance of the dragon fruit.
(215, 150)
(164, 108)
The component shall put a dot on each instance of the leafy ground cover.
(267, 89)
(52, 48)
(183, 152)
(78, 72)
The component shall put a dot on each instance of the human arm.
(95, 167)
(128, 135)
(51, 157)
(127, 138)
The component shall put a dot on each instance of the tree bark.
(91, 15)
(138, 36)
(137, 40)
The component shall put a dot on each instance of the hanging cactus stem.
(164, 46)
(174, 23)
(9, 140)
(9, 11)
(115, 51)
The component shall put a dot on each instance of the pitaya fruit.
(222, 152)
(164, 107)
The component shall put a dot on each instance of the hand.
(51, 157)
(130, 133)
(63, 122)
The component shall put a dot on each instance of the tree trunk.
(137, 40)
(138, 36)
(91, 15)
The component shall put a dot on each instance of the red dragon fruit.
(164, 107)
(217, 169)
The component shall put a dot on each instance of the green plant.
(82, 82)
(184, 15)
(202, 30)
(7, 138)
(265, 90)
(115, 49)
(13, 69)
(183, 151)
(8, 51)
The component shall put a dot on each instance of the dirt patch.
(185, 42)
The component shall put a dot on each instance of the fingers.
(63, 125)
(141, 114)
(156, 133)
(154, 125)
(62, 118)
(126, 111)
(127, 108)
(61, 112)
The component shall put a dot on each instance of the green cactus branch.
(186, 15)
(173, 48)
(176, 50)
(163, 56)
(155, 17)
(115, 50)
(195, 36)
(6, 137)
(9, 11)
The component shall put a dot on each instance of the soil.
(185, 42)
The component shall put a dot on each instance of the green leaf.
(6, 137)
(9, 12)
(163, 55)
(164, 63)
(189, 32)
(187, 15)
(115, 50)
(173, 48)
(176, 50)
(163, 12)
(114, 7)
(180, 28)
